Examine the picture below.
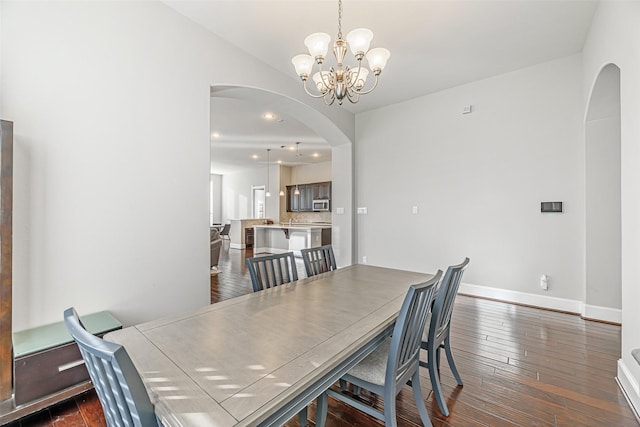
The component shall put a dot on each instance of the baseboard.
(237, 246)
(629, 387)
(605, 314)
(266, 250)
(543, 301)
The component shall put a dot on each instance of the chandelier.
(340, 81)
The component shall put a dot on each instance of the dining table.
(258, 359)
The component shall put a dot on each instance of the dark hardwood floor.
(521, 366)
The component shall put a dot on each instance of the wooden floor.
(521, 366)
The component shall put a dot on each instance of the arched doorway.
(341, 156)
(603, 294)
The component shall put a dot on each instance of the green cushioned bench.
(47, 360)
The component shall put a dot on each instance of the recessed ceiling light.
(269, 116)
(215, 135)
(292, 148)
(316, 155)
(279, 162)
(255, 156)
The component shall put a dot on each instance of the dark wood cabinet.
(308, 193)
(322, 191)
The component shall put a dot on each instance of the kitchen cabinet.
(308, 193)
(322, 191)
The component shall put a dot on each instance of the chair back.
(225, 230)
(120, 389)
(318, 260)
(443, 307)
(404, 350)
(272, 270)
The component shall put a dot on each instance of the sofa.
(216, 246)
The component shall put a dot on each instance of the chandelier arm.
(304, 85)
(333, 98)
(352, 81)
(325, 85)
(375, 84)
(353, 96)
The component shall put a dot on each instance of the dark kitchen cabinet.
(308, 193)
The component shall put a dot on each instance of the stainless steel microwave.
(321, 205)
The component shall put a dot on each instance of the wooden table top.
(237, 362)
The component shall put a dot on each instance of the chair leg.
(417, 395)
(343, 385)
(452, 363)
(390, 417)
(302, 417)
(356, 390)
(435, 381)
(322, 404)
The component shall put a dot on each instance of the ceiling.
(434, 45)
(241, 135)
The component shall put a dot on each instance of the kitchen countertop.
(294, 226)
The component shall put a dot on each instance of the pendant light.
(297, 190)
(268, 194)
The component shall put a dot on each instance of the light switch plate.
(362, 211)
(339, 211)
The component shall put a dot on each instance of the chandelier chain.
(340, 19)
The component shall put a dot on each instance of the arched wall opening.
(341, 163)
(603, 218)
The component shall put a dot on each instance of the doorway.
(603, 296)
(258, 197)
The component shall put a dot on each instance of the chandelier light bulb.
(318, 45)
(359, 41)
(359, 79)
(303, 65)
(377, 59)
(322, 85)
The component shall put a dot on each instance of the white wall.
(614, 37)
(111, 108)
(237, 197)
(342, 199)
(216, 198)
(307, 174)
(478, 180)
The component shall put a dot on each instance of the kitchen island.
(277, 239)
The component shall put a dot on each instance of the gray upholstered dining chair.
(120, 389)
(436, 335)
(272, 270)
(224, 234)
(395, 362)
(318, 260)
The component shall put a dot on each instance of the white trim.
(543, 301)
(606, 314)
(237, 246)
(629, 387)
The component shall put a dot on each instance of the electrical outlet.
(544, 282)
(364, 259)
